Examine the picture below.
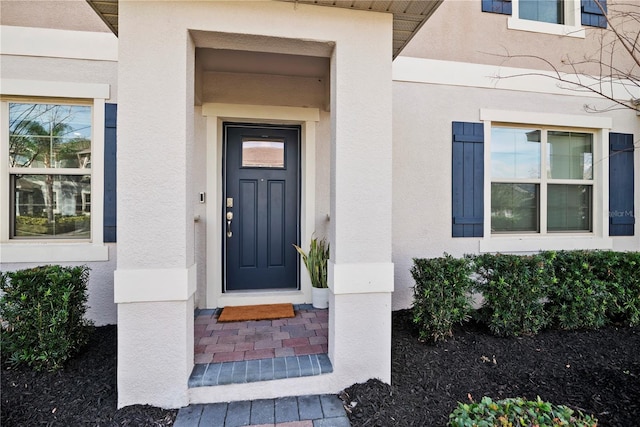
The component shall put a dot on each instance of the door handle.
(229, 219)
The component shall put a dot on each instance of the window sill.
(548, 243)
(545, 28)
(53, 252)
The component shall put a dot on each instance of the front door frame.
(291, 163)
(216, 114)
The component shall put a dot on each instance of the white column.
(155, 276)
(360, 270)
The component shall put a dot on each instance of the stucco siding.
(323, 167)
(62, 70)
(422, 156)
(74, 15)
(460, 31)
(200, 220)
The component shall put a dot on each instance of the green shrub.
(624, 288)
(441, 295)
(514, 290)
(42, 311)
(580, 296)
(517, 412)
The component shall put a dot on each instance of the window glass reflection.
(261, 153)
(51, 206)
(514, 208)
(49, 136)
(515, 153)
(570, 155)
(569, 208)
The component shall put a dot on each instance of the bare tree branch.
(611, 72)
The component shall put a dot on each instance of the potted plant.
(316, 262)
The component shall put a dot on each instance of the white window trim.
(599, 237)
(16, 251)
(571, 28)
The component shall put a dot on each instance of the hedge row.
(524, 294)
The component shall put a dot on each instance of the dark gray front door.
(261, 206)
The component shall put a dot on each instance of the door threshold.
(279, 291)
(248, 371)
(262, 297)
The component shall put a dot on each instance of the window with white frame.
(558, 17)
(551, 11)
(542, 180)
(528, 181)
(561, 17)
(50, 178)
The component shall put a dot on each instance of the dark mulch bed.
(597, 372)
(84, 393)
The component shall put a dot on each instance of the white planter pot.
(320, 297)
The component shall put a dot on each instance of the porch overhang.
(408, 16)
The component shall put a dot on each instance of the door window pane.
(515, 153)
(570, 155)
(49, 136)
(569, 208)
(260, 153)
(514, 207)
(542, 10)
(51, 206)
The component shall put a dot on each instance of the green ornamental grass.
(316, 261)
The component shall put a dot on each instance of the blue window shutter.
(497, 6)
(621, 204)
(110, 148)
(591, 13)
(468, 179)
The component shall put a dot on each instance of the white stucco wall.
(162, 384)
(74, 15)
(422, 116)
(460, 31)
(156, 245)
(323, 168)
(59, 60)
(61, 70)
(199, 171)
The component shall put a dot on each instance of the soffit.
(108, 11)
(408, 16)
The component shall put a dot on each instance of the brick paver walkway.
(239, 352)
(304, 334)
(302, 411)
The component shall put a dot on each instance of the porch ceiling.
(408, 15)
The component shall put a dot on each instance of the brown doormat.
(242, 313)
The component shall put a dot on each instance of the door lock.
(229, 219)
